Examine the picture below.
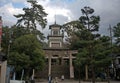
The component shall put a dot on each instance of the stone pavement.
(74, 81)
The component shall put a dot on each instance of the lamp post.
(112, 65)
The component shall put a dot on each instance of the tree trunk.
(93, 74)
(27, 75)
(79, 75)
(86, 72)
(108, 76)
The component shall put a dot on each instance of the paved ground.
(74, 81)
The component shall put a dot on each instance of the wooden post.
(86, 72)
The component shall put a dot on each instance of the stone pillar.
(49, 65)
(71, 66)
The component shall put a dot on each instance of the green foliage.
(81, 57)
(88, 20)
(19, 61)
(102, 51)
(116, 30)
(10, 34)
(26, 53)
(5, 39)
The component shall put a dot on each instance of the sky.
(65, 11)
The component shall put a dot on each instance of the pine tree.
(32, 16)
(83, 36)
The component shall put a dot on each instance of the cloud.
(55, 7)
(66, 10)
(18, 1)
(61, 19)
(7, 12)
(57, 11)
(108, 11)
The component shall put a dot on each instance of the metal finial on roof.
(55, 17)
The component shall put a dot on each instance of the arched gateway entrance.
(60, 62)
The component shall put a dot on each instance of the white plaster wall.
(16, 81)
(3, 71)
